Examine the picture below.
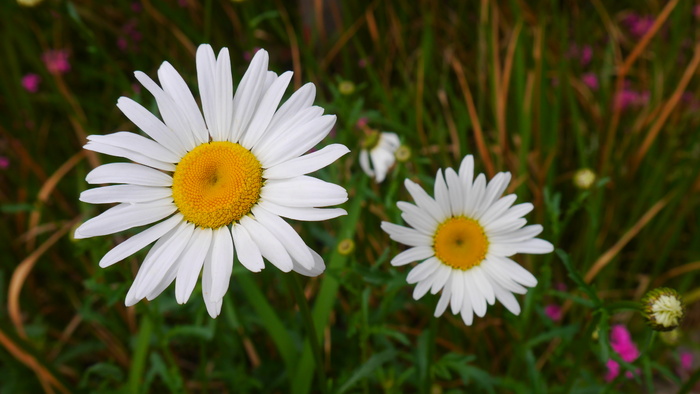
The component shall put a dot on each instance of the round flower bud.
(663, 309)
(584, 178)
(346, 246)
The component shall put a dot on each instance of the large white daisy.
(465, 237)
(216, 182)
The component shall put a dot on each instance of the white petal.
(424, 201)
(405, 235)
(158, 261)
(507, 299)
(190, 263)
(125, 216)
(466, 172)
(137, 143)
(139, 241)
(422, 271)
(456, 193)
(288, 128)
(213, 304)
(317, 269)
(412, 254)
(467, 313)
(124, 193)
(269, 246)
(175, 87)
(151, 125)
(494, 190)
(478, 302)
(445, 298)
(221, 263)
(422, 288)
(297, 141)
(265, 111)
(499, 274)
(483, 284)
(503, 227)
(214, 307)
(364, 163)
(128, 154)
(135, 174)
(246, 249)
(248, 94)
(303, 191)
(457, 286)
(224, 106)
(496, 210)
(418, 218)
(170, 112)
(289, 238)
(512, 214)
(299, 101)
(518, 235)
(304, 214)
(307, 163)
(534, 246)
(441, 277)
(442, 195)
(517, 272)
(474, 197)
(382, 160)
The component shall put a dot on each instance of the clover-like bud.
(663, 309)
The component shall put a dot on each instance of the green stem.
(622, 306)
(311, 331)
(138, 363)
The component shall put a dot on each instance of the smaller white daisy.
(378, 148)
(464, 238)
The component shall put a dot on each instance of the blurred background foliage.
(540, 88)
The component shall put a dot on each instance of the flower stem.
(622, 306)
(311, 331)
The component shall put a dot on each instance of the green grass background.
(497, 79)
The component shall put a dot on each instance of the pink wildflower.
(136, 6)
(586, 55)
(362, 123)
(56, 61)
(553, 311)
(696, 11)
(590, 80)
(621, 343)
(638, 25)
(30, 82)
(686, 361)
(4, 162)
(629, 98)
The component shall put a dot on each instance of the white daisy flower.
(379, 148)
(216, 182)
(464, 238)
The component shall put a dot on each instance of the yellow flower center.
(460, 243)
(216, 184)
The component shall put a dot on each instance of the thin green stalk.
(311, 331)
(138, 363)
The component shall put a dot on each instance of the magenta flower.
(629, 98)
(590, 80)
(553, 311)
(30, 82)
(56, 61)
(686, 359)
(621, 343)
(586, 55)
(638, 25)
(4, 162)
(362, 123)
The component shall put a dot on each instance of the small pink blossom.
(56, 61)
(30, 82)
(586, 55)
(621, 343)
(686, 359)
(136, 6)
(696, 11)
(629, 98)
(4, 162)
(362, 123)
(638, 25)
(590, 80)
(561, 286)
(553, 311)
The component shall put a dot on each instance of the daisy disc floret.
(214, 183)
(464, 238)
